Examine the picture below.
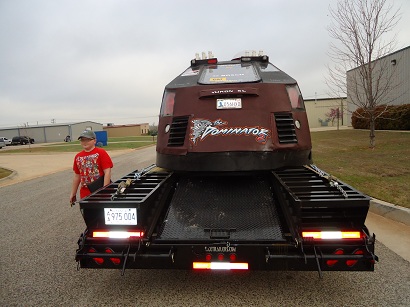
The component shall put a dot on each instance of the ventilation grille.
(178, 131)
(285, 128)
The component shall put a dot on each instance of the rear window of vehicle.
(229, 73)
(268, 67)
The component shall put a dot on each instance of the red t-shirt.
(90, 166)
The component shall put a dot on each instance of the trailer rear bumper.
(307, 256)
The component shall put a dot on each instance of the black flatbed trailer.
(233, 187)
(238, 220)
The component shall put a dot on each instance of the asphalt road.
(39, 232)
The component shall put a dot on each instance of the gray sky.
(109, 60)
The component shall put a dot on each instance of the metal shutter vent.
(178, 131)
(285, 128)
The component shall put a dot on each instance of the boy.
(89, 165)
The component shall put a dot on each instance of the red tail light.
(116, 261)
(336, 252)
(353, 262)
(98, 261)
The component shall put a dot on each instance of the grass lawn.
(382, 172)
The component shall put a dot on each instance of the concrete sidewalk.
(390, 223)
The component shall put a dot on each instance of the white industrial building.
(52, 132)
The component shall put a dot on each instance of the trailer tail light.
(118, 234)
(98, 261)
(353, 262)
(339, 251)
(116, 261)
(329, 235)
(220, 266)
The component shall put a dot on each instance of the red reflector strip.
(324, 235)
(220, 266)
(117, 234)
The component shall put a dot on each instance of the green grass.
(382, 172)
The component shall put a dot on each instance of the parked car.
(2, 144)
(22, 140)
(5, 140)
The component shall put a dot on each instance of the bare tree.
(359, 29)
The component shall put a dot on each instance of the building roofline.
(48, 125)
(330, 98)
(122, 126)
(385, 56)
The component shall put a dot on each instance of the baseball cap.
(87, 134)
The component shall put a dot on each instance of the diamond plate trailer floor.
(222, 207)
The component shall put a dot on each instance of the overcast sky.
(108, 60)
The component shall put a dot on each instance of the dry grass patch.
(4, 173)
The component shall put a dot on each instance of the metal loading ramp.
(223, 207)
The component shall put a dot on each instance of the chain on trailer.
(333, 181)
(123, 185)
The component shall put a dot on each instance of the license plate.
(120, 216)
(229, 103)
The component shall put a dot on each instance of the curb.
(9, 177)
(390, 211)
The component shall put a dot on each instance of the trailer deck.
(222, 207)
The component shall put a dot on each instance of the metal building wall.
(9, 132)
(51, 133)
(55, 133)
(36, 133)
(401, 58)
(397, 64)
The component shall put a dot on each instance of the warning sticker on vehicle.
(217, 79)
